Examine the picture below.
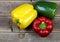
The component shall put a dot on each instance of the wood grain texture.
(14, 0)
(6, 35)
(4, 23)
(29, 37)
(7, 7)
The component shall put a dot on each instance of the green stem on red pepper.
(42, 25)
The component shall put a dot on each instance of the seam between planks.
(25, 1)
(26, 32)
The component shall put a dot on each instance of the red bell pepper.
(43, 26)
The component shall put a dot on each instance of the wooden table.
(6, 34)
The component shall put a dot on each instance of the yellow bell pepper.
(24, 15)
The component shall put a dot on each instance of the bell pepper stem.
(17, 21)
(42, 25)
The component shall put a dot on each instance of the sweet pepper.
(47, 9)
(43, 26)
(23, 15)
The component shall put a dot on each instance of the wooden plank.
(29, 37)
(7, 7)
(4, 23)
(14, 0)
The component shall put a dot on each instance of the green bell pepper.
(47, 9)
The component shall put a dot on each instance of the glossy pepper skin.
(23, 15)
(43, 26)
(47, 9)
